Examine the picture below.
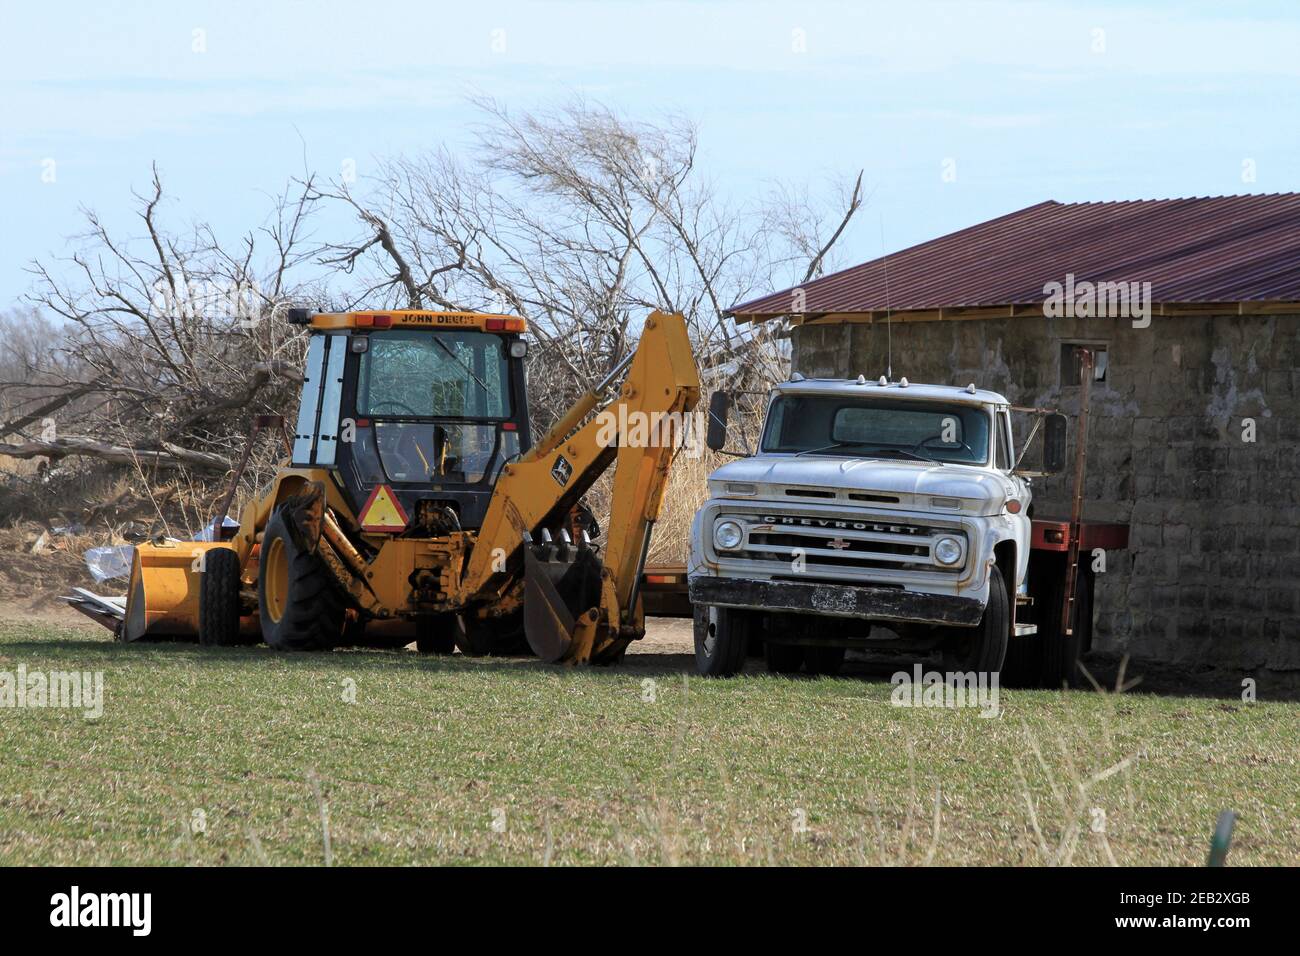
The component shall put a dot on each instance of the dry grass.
(688, 489)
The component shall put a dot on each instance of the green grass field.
(245, 756)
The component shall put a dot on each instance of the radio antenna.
(889, 325)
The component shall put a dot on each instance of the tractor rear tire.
(983, 648)
(722, 636)
(300, 607)
(219, 598)
(436, 634)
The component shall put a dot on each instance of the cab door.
(1004, 461)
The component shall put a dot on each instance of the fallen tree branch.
(262, 373)
(170, 456)
(52, 405)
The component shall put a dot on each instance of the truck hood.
(780, 478)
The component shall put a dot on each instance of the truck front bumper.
(836, 600)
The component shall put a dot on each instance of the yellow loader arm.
(576, 607)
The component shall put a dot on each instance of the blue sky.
(1022, 101)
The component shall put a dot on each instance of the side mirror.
(715, 436)
(1054, 444)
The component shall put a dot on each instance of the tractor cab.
(413, 413)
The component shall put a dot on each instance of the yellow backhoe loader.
(414, 505)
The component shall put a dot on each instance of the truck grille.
(866, 543)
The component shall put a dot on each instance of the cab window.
(459, 375)
(1004, 460)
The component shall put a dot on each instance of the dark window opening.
(1071, 365)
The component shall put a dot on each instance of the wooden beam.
(1029, 310)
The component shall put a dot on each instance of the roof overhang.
(1013, 311)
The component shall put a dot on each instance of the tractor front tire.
(219, 598)
(301, 610)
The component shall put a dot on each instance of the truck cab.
(872, 510)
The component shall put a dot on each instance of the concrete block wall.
(1211, 572)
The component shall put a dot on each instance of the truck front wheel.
(721, 640)
(984, 647)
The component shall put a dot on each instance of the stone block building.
(1195, 424)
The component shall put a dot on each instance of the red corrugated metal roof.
(1216, 249)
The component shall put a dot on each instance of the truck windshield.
(868, 428)
(435, 375)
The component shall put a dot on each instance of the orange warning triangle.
(383, 512)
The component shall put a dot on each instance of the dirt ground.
(31, 582)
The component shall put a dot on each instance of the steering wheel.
(933, 438)
(374, 409)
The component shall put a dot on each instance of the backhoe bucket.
(561, 593)
(163, 597)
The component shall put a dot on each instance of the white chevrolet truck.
(878, 514)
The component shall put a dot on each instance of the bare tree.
(168, 340)
(582, 220)
(154, 350)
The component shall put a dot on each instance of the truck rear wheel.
(982, 648)
(1022, 666)
(782, 658)
(721, 640)
(219, 598)
(824, 661)
(300, 608)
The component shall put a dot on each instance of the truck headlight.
(727, 535)
(947, 551)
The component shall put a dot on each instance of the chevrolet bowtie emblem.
(839, 544)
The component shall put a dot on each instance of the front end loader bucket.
(561, 596)
(163, 597)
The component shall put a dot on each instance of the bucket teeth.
(546, 549)
(561, 587)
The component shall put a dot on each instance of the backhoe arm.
(577, 609)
